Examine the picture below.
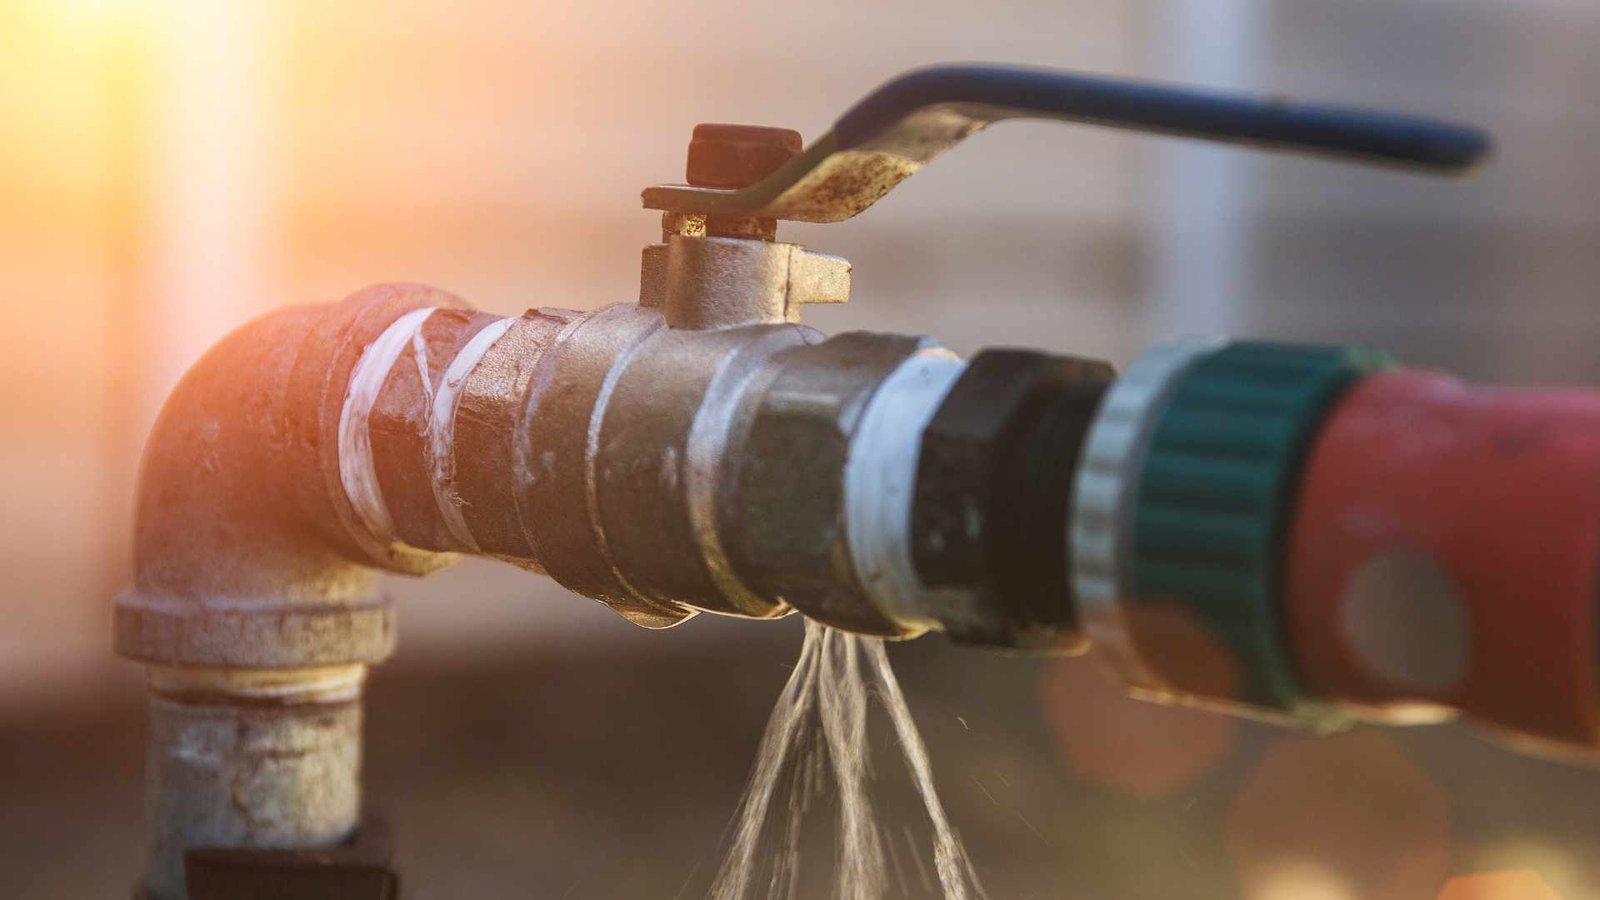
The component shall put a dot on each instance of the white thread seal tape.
(357, 473)
(880, 479)
(442, 428)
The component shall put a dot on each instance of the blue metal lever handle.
(912, 119)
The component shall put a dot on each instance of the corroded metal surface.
(487, 422)
(170, 630)
(247, 552)
(226, 774)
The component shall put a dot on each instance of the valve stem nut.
(737, 156)
(733, 157)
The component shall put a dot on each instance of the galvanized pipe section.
(250, 758)
(661, 470)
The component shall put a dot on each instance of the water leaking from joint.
(821, 719)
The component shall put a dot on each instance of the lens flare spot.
(1514, 885)
(1354, 804)
(1133, 746)
(1300, 881)
(1522, 857)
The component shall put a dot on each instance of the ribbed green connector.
(1214, 496)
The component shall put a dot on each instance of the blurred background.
(169, 169)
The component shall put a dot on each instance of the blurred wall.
(1495, 277)
(169, 168)
(71, 94)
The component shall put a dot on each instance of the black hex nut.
(736, 156)
(994, 488)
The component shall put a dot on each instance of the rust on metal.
(737, 156)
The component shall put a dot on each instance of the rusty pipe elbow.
(246, 551)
